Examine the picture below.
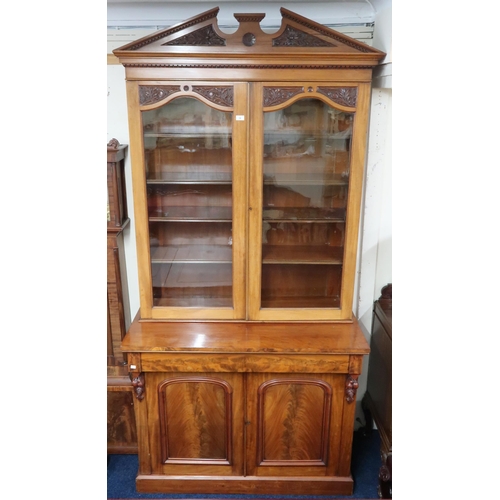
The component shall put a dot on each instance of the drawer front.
(246, 363)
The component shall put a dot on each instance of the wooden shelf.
(215, 254)
(191, 131)
(184, 177)
(305, 179)
(302, 302)
(306, 214)
(305, 135)
(303, 254)
(194, 302)
(191, 214)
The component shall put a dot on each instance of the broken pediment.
(298, 37)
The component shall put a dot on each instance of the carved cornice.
(247, 66)
(223, 96)
(351, 387)
(205, 36)
(152, 94)
(292, 37)
(277, 95)
(139, 387)
(345, 96)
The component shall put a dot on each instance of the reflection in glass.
(305, 185)
(188, 156)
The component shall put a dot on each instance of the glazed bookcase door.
(306, 170)
(191, 254)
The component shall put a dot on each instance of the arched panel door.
(303, 213)
(193, 250)
(294, 424)
(196, 423)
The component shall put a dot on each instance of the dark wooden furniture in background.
(247, 154)
(122, 435)
(377, 401)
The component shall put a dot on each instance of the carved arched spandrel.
(153, 94)
(278, 95)
(345, 96)
(223, 96)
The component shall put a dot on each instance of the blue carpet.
(366, 462)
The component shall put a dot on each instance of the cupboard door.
(303, 218)
(294, 424)
(194, 207)
(195, 423)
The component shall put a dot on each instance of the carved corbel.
(351, 387)
(136, 375)
(138, 383)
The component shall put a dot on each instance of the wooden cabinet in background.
(377, 401)
(118, 299)
(122, 436)
(247, 154)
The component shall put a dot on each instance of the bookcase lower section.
(236, 408)
(245, 485)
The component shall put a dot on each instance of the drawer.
(240, 362)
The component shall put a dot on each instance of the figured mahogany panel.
(122, 433)
(195, 420)
(294, 416)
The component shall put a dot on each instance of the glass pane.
(305, 185)
(188, 154)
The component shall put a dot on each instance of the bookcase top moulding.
(298, 41)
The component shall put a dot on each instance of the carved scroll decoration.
(292, 37)
(223, 96)
(202, 36)
(139, 387)
(151, 95)
(351, 387)
(277, 95)
(345, 96)
(113, 144)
